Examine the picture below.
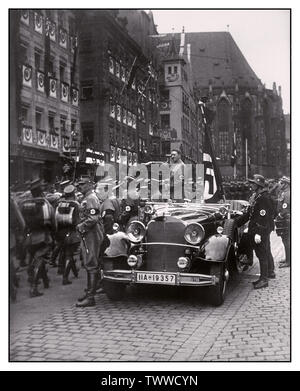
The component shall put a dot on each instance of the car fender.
(216, 248)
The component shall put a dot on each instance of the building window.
(165, 120)
(169, 70)
(73, 127)
(51, 122)
(51, 67)
(24, 114)
(62, 71)
(166, 147)
(63, 122)
(224, 146)
(87, 132)
(223, 115)
(23, 53)
(175, 69)
(61, 19)
(38, 119)
(165, 95)
(72, 26)
(37, 60)
(87, 90)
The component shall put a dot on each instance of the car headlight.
(149, 209)
(136, 231)
(194, 233)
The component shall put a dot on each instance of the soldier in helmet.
(260, 215)
(283, 219)
(91, 230)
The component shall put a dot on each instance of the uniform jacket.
(283, 205)
(110, 212)
(91, 228)
(260, 214)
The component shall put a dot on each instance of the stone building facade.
(118, 121)
(44, 99)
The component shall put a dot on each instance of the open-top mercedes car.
(188, 244)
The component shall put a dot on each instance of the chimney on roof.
(274, 88)
(279, 90)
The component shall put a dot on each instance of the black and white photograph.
(149, 186)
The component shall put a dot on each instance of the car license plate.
(155, 278)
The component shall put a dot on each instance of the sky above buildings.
(263, 36)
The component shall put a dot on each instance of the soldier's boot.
(34, 292)
(74, 268)
(66, 280)
(89, 301)
(44, 275)
(35, 280)
(81, 298)
(263, 283)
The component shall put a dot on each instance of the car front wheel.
(216, 293)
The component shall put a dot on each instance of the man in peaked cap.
(92, 234)
(283, 218)
(260, 215)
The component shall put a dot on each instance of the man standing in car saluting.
(91, 231)
(260, 215)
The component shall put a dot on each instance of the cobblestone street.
(155, 324)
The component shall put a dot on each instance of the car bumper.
(160, 278)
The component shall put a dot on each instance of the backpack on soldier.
(37, 213)
(67, 214)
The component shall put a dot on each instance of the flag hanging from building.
(132, 73)
(47, 58)
(213, 189)
(233, 157)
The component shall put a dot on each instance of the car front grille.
(163, 254)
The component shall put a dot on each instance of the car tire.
(236, 265)
(114, 291)
(216, 293)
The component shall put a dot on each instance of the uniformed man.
(91, 231)
(67, 236)
(283, 219)
(39, 218)
(261, 223)
(16, 228)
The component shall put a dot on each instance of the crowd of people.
(69, 224)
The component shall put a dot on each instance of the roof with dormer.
(217, 59)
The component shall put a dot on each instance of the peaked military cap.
(70, 189)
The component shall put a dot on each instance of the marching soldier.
(39, 218)
(283, 219)
(261, 223)
(68, 238)
(91, 231)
